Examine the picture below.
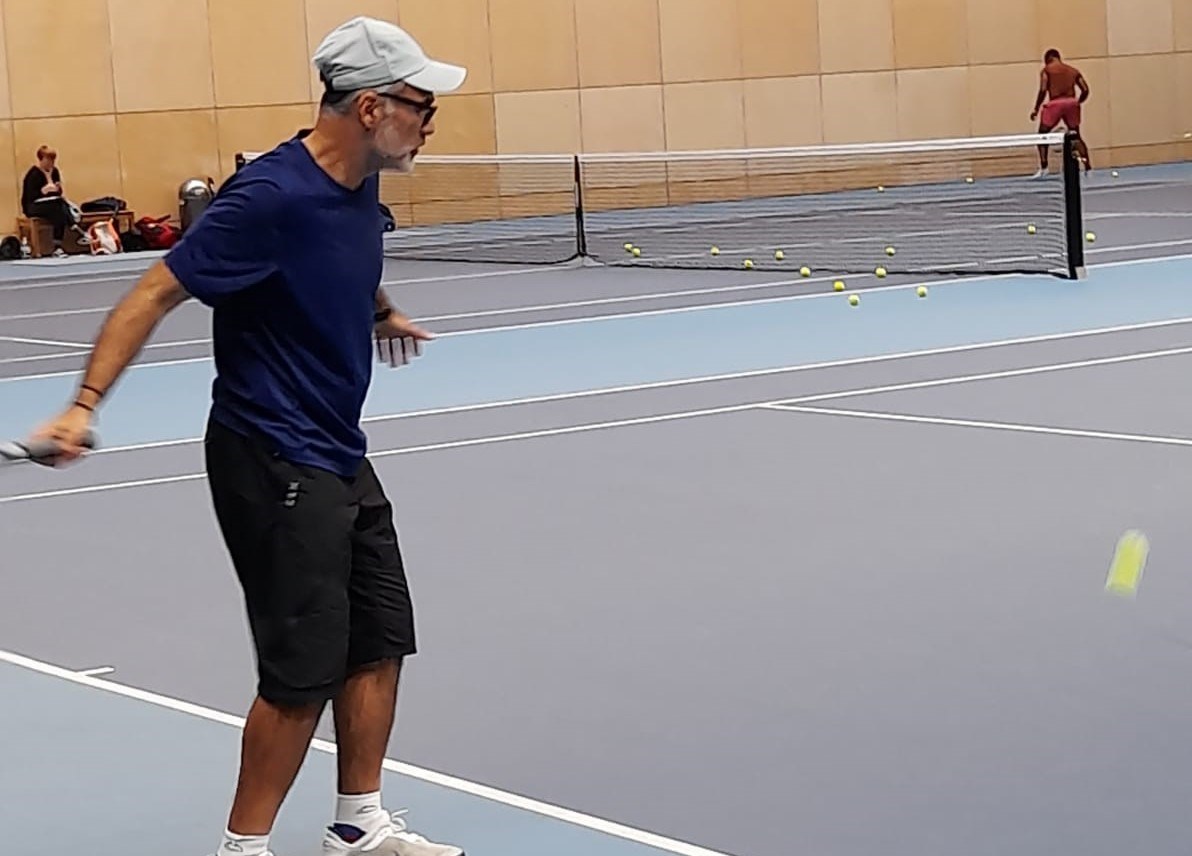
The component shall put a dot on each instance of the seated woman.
(42, 197)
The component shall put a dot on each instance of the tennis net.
(937, 206)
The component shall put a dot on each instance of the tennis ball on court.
(1115, 173)
(890, 251)
(881, 189)
(748, 264)
(922, 292)
(853, 300)
(968, 180)
(715, 251)
(1030, 230)
(880, 272)
(629, 248)
(780, 255)
(838, 285)
(804, 271)
(1091, 237)
(636, 252)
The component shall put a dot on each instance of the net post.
(1073, 208)
(581, 237)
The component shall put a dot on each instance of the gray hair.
(342, 103)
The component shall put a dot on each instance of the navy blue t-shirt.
(290, 261)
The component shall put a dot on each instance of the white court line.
(674, 310)
(730, 376)
(977, 423)
(644, 420)
(96, 672)
(22, 340)
(1117, 215)
(596, 824)
(1157, 245)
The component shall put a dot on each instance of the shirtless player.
(1058, 83)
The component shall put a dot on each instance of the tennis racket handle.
(46, 448)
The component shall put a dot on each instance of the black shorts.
(318, 560)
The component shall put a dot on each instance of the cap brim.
(438, 77)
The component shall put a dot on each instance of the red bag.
(159, 233)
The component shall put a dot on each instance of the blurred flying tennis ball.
(804, 271)
(1091, 237)
(748, 264)
(853, 300)
(715, 251)
(890, 251)
(1030, 230)
(779, 254)
(922, 292)
(880, 273)
(1129, 560)
(838, 285)
(636, 252)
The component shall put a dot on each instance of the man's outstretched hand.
(69, 431)
(399, 339)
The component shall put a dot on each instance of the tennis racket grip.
(46, 449)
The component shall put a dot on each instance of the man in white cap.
(289, 255)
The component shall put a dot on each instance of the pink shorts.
(1066, 109)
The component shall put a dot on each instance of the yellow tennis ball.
(853, 300)
(968, 180)
(1030, 230)
(748, 264)
(715, 251)
(636, 252)
(890, 251)
(1091, 237)
(804, 271)
(1115, 173)
(880, 272)
(922, 292)
(838, 285)
(881, 189)
(629, 248)
(780, 255)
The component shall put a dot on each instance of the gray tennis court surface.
(836, 606)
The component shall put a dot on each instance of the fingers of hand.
(399, 351)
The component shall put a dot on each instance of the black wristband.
(86, 407)
(381, 315)
(91, 389)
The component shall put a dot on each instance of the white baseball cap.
(366, 53)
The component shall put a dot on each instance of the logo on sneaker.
(368, 809)
(232, 847)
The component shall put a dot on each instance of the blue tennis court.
(704, 562)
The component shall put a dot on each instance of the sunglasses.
(426, 109)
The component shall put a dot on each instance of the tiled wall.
(139, 95)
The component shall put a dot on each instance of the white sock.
(243, 845)
(363, 811)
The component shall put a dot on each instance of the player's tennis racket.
(44, 452)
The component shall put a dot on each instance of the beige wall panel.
(158, 151)
(783, 111)
(1002, 97)
(701, 40)
(1142, 111)
(154, 68)
(934, 103)
(464, 125)
(860, 107)
(780, 38)
(618, 42)
(88, 153)
(5, 99)
(533, 45)
(1095, 114)
(704, 115)
(930, 33)
(257, 129)
(1182, 15)
(1183, 76)
(857, 35)
(454, 31)
(10, 188)
(259, 52)
(76, 33)
(1140, 26)
(1006, 31)
(622, 119)
(1073, 27)
(538, 122)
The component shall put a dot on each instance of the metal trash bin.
(194, 195)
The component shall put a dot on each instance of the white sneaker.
(393, 839)
(1039, 173)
